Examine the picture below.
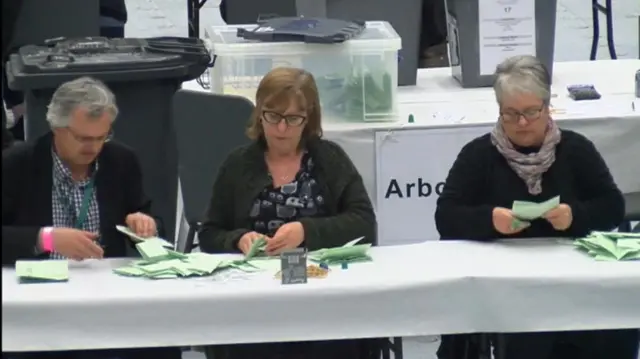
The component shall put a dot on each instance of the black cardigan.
(481, 180)
(244, 174)
(27, 179)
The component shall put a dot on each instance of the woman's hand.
(560, 217)
(506, 223)
(246, 241)
(288, 236)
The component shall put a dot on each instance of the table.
(422, 289)
(438, 101)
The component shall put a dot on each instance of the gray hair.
(522, 74)
(84, 92)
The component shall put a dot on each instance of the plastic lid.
(379, 36)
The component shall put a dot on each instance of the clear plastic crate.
(357, 79)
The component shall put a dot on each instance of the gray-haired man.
(64, 194)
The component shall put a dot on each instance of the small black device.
(583, 92)
(293, 266)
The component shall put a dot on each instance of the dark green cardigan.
(244, 175)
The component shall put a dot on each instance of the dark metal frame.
(193, 16)
(607, 10)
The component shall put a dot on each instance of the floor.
(573, 43)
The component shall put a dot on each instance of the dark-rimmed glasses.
(513, 116)
(275, 118)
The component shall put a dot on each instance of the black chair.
(208, 126)
(632, 211)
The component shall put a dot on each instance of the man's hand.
(76, 244)
(560, 217)
(141, 224)
(288, 236)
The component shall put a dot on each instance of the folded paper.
(136, 238)
(353, 253)
(528, 211)
(42, 271)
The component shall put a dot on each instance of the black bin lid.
(107, 59)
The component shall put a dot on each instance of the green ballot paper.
(44, 271)
(152, 250)
(134, 237)
(257, 248)
(610, 246)
(528, 211)
(353, 253)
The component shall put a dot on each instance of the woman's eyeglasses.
(512, 116)
(274, 118)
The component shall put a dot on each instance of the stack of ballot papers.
(44, 271)
(611, 246)
(525, 211)
(159, 262)
(349, 253)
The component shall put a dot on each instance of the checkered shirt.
(66, 198)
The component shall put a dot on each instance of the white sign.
(411, 168)
(506, 28)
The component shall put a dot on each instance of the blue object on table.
(345, 265)
(411, 119)
(324, 266)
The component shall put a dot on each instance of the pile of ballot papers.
(349, 253)
(611, 246)
(161, 262)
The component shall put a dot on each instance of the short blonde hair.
(522, 74)
(277, 90)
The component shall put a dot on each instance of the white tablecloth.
(422, 289)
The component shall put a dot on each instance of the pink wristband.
(47, 239)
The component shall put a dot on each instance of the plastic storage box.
(357, 80)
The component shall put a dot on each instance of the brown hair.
(277, 90)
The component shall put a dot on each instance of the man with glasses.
(64, 194)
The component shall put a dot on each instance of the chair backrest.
(208, 127)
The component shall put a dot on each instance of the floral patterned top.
(297, 199)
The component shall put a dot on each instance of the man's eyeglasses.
(274, 118)
(529, 115)
(90, 140)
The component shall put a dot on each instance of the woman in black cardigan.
(292, 188)
(527, 157)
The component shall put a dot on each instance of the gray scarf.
(529, 167)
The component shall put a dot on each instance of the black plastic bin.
(143, 74)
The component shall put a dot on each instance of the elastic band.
(47, 239)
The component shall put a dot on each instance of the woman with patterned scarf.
(528, 157)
